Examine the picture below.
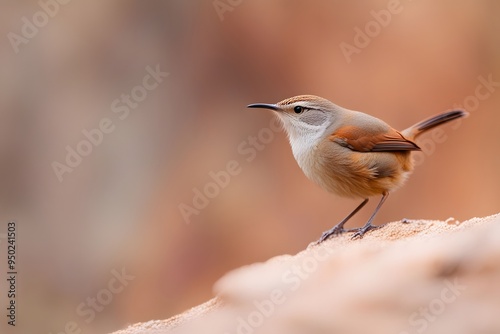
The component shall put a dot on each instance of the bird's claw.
(337, 230)
(360, 232)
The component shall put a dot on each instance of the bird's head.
(303, 114)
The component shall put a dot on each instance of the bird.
(350, 153)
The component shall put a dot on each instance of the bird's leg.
(339, 228)
(368, 226)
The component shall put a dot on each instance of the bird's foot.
(360, 232)
(336, 230)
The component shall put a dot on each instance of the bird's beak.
(264, 106)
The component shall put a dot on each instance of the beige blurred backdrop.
(120, 208)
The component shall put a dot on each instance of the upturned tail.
(415, 130)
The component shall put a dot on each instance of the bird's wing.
(368, 140)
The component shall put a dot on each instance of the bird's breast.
(353, 174)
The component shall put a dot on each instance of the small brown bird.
(348, 152)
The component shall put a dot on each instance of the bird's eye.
(298, 109)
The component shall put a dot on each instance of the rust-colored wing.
(363, 140)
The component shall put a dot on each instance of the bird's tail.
(415, 130)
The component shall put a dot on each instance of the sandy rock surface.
(417, 277)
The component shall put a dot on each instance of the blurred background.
(127, 206)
